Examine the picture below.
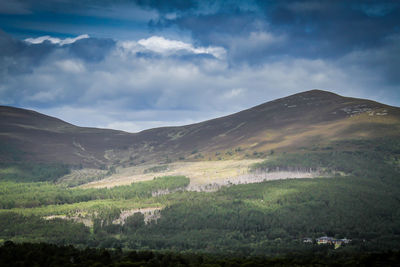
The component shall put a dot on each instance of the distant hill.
(37, 137)
(286, 124)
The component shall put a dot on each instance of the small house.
(325, 240)
(330, 240)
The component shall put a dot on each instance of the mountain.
(37, 137)
(286, 124)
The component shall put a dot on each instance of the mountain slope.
(273, 121)
(286, 124)
(38, 137)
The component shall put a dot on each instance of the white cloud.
(55, 40)
(168, 47)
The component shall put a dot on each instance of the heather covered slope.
(30, 136)
(286, 124)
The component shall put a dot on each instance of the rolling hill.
(286, 124)
(37, 137)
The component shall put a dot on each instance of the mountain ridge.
(282, 124)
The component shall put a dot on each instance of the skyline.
(134, 65)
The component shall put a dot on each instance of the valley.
(253, 183)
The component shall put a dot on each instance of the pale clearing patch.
(86, 221)
(249, 178)
(200, 173)
(204, 175)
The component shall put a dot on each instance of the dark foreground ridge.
(44, 255)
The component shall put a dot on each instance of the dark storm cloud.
(14, 7)
(28, 6)
(335, 27)
(18, 57)
(168, 6)
(366, 31)
(385, 61)
(206, 28)
(314, 29)
(245, 35)
(70, 6)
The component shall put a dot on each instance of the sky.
(139, 64)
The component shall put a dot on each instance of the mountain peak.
(315, 94)
(318, 92)
(311, 98)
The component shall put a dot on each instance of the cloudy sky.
(138, 64)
